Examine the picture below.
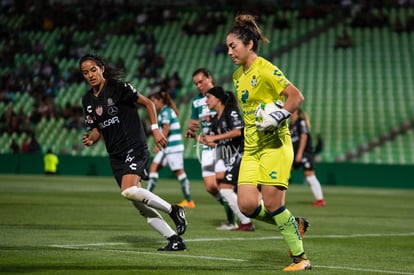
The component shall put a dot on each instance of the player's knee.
(248, 210)
(131, 193)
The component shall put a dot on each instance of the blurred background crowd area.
(318, 44)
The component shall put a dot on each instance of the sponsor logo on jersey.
(129, 158)
(244, 95)
(200, 102)
(89, 109)
(277, 72)
(109, 122)
(112, 110)
(99, 110)
(272, 175)
(128, 85)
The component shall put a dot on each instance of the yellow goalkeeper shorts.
(269, 166)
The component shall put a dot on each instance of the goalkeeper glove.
(272, 121)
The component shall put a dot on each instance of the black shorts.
(308, 162)
(231, 158)
(231, 176)
(135, 162)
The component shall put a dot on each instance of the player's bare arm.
(159, 138)
(193, 127)
(294, 98)
(90, 138)
(227, 135)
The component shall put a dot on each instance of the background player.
(299, 126)
(201, 114)
(173, 155)
(226, 134)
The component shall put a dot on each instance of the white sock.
(153, 178)
(154, 219)
(139, 194)
(230, 196)
(315, 187)
(185, 186)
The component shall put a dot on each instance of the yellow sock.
(262, 215)
(289, 230)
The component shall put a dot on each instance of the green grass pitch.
(82, 225)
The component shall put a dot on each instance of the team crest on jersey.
(110, 102)
(254, 81)
(99, 110)
(89, 119)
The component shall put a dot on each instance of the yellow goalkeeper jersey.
(262, 83)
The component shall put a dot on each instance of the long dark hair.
(110, 71)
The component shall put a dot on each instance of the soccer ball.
(268, 109)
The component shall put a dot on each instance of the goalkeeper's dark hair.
(246, 29)
(110, 72)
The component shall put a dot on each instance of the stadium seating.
(352, 95)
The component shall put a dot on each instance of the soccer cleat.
(187, 204)
(178, 216)
(299, 264)
(303, 225)
(226, 226)
(175, 243)
(245, 227)
(319, 203)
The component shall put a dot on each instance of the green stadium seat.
(377, 73)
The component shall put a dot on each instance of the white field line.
(363, 269)
(250, 239)
(158, 254)
(93, 247)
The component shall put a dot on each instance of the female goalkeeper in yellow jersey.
(268, 151)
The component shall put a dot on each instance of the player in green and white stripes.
(173, 155)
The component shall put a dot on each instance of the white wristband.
(286, 112)
(154, 126)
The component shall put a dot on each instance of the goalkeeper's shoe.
(178, 216)
(303, 225)
(299, 263)
(175, 243)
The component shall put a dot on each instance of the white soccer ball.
(268, 109)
